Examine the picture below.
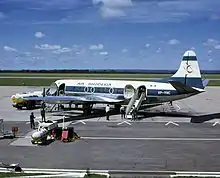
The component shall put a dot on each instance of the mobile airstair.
(135, 103)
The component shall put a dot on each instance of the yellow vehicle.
(19, 102)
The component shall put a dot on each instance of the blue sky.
(108, 34)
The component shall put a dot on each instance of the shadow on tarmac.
(195, 118)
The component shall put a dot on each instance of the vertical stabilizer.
(189, 72)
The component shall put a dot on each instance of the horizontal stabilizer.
(182, 88)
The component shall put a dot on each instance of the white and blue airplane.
(184, 83)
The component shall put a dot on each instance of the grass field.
(48, 81)
(9, 174)
(110, 75)
(4, 174)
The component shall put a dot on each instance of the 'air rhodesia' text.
(96, 84)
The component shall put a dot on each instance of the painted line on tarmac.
(146, 138)
(152, 138)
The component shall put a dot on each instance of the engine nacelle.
(129, 91)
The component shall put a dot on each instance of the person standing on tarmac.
(32, 123)
(42, 112)
(107, 110)
(122, 111)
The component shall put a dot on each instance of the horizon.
(108, 34)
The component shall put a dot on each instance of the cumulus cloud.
(10, 49)
(62, 50)
(112, 8)
(147, 45)
(96, 47)
(217, 47)
(39, 35)
(173, 42)
(124, 50)
(108, 12)
(158, 50)
(47, 47)
(103, 53)
(212, 43)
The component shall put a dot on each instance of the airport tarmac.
(140, 146)
(148, 144)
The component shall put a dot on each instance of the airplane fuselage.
(113, 91)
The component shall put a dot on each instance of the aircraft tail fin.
(189, 71)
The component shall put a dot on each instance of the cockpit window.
(52, 90)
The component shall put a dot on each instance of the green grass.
(112, 75)
(8, 174)
(48, 82)
(95, 176)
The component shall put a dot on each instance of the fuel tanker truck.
(18, 100)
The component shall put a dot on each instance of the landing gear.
(87, 109)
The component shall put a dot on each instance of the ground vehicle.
(19, 102)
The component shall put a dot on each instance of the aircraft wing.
(81, 99)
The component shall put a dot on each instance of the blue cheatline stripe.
(189, 58)
(116, 91)
(192, 82)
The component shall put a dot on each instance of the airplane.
(186, 82)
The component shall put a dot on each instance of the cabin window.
(111, 90)
(86, 89)
(92, 89)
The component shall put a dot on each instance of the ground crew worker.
(107, 110)
(122, 111)
(42, 112)
(32, 120)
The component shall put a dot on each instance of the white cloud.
(147, 45)
(210, 60)
(209, 51)
(39, 35)
(124, 50)
(62, 50)
(114, 3)
(96, 47)
(217, 47)
(112, 8)
(10, 49)
(211, 42)
(110, 12)
(158, 50)
(47, 47)
(173, 42)
(103, 53)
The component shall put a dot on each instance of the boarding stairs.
(51, 107)
(134, 104)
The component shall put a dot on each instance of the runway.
(148, 144)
